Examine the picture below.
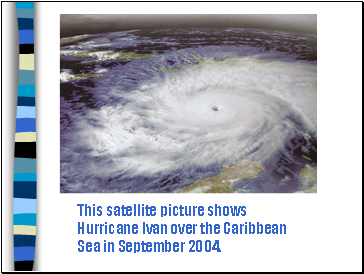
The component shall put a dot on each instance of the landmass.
(71, 39)
(306, 157)
(222, 182)
(106, 55)
(309, 179)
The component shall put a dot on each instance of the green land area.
(107, 55)
(309, 179)
(71, 39)
(222, 182)
(306, 157)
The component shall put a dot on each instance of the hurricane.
(156, 111)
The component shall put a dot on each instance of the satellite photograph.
(188, 109)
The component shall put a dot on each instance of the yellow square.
(25, 137)
(26, 61)
(24, 230)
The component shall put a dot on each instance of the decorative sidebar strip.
(25, 173)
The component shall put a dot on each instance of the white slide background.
(324, 229)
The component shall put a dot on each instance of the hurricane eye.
(215, 108)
